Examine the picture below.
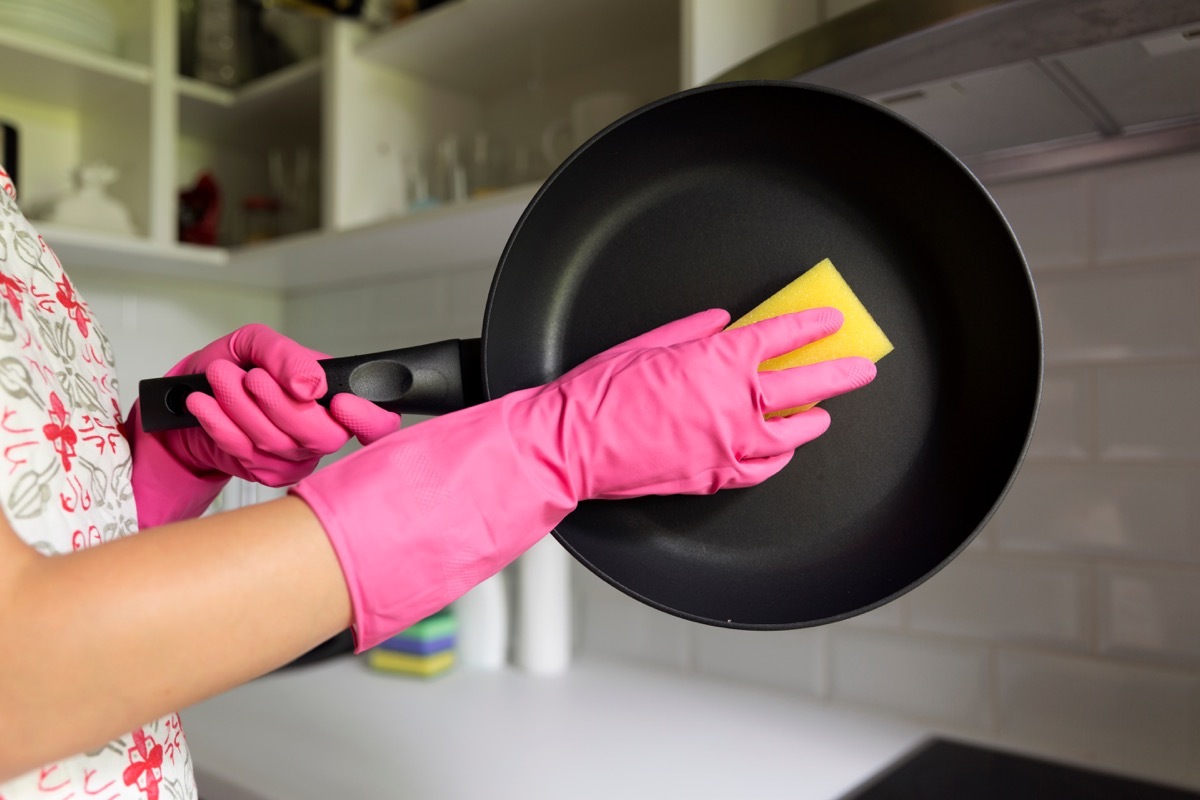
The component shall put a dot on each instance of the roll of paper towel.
(482, 615)
(543, 635)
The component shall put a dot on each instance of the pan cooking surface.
(719, 197)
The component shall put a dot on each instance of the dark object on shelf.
(216, 47)
(9, 153)
(200, 211)
(946, 770)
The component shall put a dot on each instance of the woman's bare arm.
(95, 643)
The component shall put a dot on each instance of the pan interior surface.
(718, 198)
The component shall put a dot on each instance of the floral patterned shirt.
(65, 485)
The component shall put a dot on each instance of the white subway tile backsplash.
(115, 311)
(377, 316)
(1147, 209)
(620, 627)
(613, 625)
(1050, 218)
(1110, 314)
(462, 328)
(1150, 612)
(985, 539)
(1132, 717)
(328, 320)
(1130, 510)
(152, 323)
(1148, 411)
(1064, 420)
(401, 307)
(932, 680)
(302, 316)
(1005, 599)
(887, 617)
(468, 294)
(792, 660)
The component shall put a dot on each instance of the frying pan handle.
(427, 379)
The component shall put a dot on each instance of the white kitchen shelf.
(293, 81)
(254, 112)
(471, 233)
(41, 68)
(193, 90)
(92, 250)
(483, 46)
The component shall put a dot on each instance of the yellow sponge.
(822, 286)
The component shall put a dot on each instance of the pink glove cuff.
(441, 526)
(164, 490)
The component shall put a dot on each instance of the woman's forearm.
(94, 643)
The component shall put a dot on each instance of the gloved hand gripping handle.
(427, 379)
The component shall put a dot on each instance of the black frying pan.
(719, 196)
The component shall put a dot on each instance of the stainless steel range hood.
(1014, 87)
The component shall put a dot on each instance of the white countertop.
(602, 730)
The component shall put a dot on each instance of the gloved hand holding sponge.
(421, 516)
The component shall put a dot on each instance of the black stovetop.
(945, 770)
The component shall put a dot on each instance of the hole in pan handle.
(432, 378)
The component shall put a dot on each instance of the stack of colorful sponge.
(425, 649)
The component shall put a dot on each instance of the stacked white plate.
(83, 23)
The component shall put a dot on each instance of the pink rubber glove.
(262, 424)
(421, 517)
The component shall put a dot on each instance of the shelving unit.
(237, 125)
(506, 70)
